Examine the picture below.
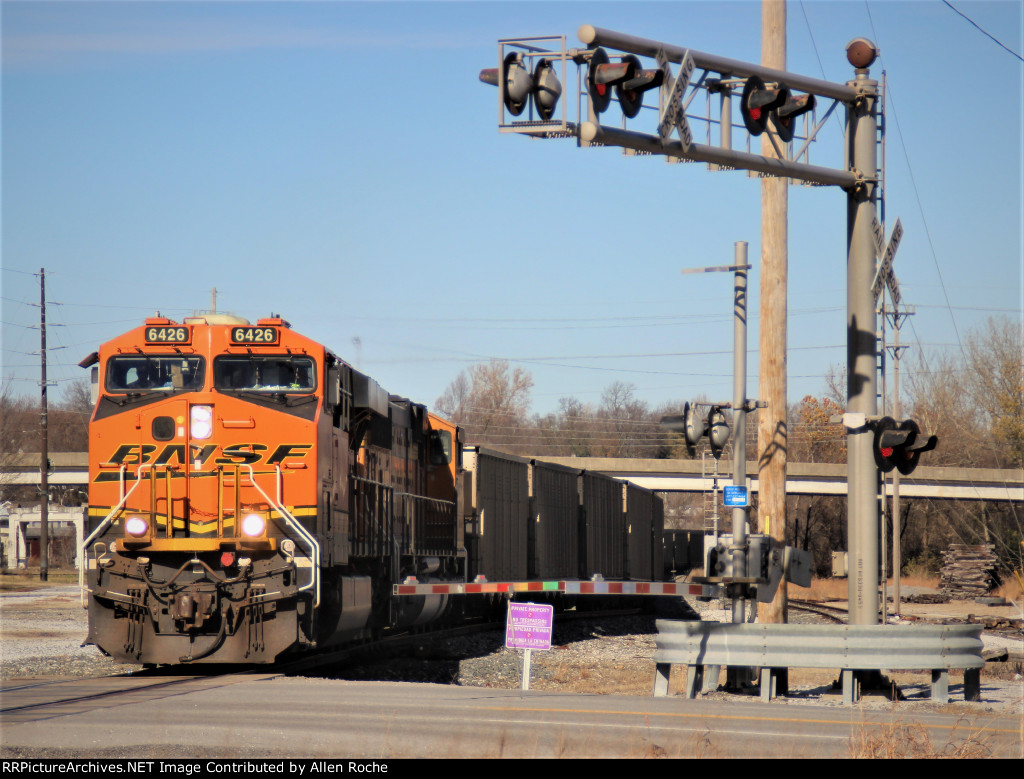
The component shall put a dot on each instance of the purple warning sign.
(529, 626)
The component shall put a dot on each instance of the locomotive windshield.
(259, 373)
(154, 373)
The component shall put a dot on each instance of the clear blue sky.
(340, 164)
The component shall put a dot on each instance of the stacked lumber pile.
(968, 571)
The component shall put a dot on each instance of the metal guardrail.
(850, 648)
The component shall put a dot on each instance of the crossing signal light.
(693, 427)
(626, 77)
(689, 425)
(760, 103)
(542, 86)
(784, 117)
(900, 445)
(546, 89)
(718, 430)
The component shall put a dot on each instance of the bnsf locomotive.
(252, 495)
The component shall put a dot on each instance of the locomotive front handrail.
(102, 526)
(295, 525)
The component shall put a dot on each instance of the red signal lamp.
(757, 103)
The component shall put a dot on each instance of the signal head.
(757, 103)
(630, 91)
(543, 85)
(597, 85)
(718, 430)
(693, 425)
(784, 117)
(518, 83)
(546, 89)
(916, 443)
(885, 442)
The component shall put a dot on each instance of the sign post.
(529, 627)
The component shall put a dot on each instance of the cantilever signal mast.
(765, 90)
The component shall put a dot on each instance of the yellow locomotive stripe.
(200, 527)
(195, 544)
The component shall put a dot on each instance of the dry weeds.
(912, 741)
(838, 589)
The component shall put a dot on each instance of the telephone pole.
(772, 431)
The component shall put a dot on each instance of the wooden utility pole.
(772, 429)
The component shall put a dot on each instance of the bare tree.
(995, 380)
(492, 401)
(974, 402)
(19, 433)
(627, 429)
(814, 437)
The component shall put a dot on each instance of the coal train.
(252, 496)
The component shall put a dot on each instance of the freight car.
(252, 495)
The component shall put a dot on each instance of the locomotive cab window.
(154, 373)
(264, 373)
(440, 447)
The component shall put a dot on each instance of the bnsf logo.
(236, 454)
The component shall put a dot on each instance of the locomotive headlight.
(253, 525)
(202, 421)
(136, 527)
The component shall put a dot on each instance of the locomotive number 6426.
(254, 335)
(167, 335)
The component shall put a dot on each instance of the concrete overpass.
(72, 468)
(806, 478)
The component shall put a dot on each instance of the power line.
(981, 30)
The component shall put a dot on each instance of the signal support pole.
(44, 448)
(738, 549)
(739, 421)
(861, 354)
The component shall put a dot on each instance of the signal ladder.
(711, 474)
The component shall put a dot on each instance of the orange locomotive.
(252, 495)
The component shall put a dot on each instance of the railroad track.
(835, 614)
(30, 702)
(56, 698)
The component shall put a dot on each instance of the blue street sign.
(736, 496)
